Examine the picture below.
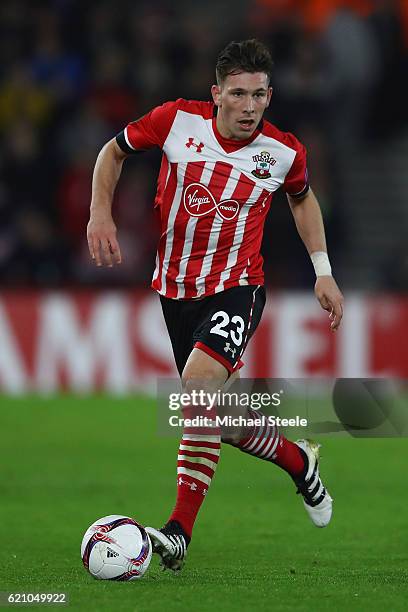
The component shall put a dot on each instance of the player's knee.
(232, 438)
(203, 374)
(194, 379)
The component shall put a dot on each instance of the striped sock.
(196, 463)
(265, 442)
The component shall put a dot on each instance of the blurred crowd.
(74, 73)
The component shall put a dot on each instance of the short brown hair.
(244, 56)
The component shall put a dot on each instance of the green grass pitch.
(66, 461)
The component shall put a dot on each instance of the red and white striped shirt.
(213, 195)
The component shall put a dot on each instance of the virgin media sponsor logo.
(199, 201)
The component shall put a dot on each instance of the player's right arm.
(149, 131)
(101, 231)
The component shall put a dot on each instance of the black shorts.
(220, 324)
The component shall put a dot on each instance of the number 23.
(223, 321)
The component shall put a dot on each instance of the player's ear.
(216, 94)
(269, 96)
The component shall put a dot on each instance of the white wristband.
(321, 263)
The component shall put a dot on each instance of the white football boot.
(171, 544)
(316, 498)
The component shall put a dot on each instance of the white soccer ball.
(116, 547)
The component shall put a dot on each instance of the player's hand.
(330, 298)
(103, 245)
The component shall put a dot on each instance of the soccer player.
(221, 165)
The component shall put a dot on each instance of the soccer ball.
(116, 547)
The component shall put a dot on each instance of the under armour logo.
(190, 143)
(192, 485)
(228, 347)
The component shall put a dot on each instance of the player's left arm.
(309, 223)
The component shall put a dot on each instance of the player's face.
(241, 99)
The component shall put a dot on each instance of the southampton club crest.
(263, 161)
